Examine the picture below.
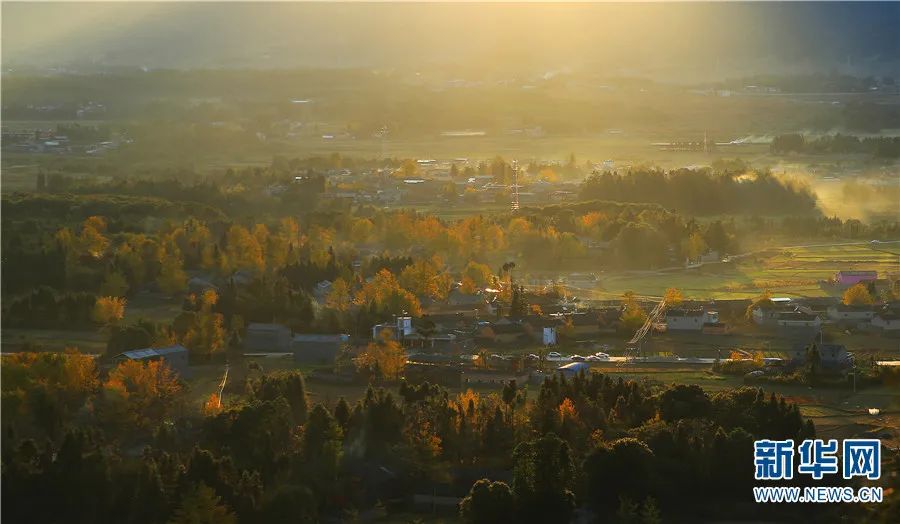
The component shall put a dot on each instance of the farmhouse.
(176, 357)
(798, 319)
(850, 314)
(679, 319)
(850, 278)
(887, 320)
(317, 349)
(267, 337)
(830, 355)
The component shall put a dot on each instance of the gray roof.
(320, 338)
(140, 354)
(259, 326)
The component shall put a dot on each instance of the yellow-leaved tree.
(140, 393)
(109, 310)
(673, 297)
(385, 293)
(339, 297)
(206, 336)
(858, 295)
(384, 358)
(633, 315)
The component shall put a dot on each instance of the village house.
(322, 290)
(830, 355)
(267, 337)
(176, 357)
(844, 314)
(470, 300)
(317, 349)
(502, 331)
(542, 329)
(887, 320)
(850, 278)
(678, 319)
(798, 319)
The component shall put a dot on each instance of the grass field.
(795, 272)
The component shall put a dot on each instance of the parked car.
(601, 355)
(577, 358)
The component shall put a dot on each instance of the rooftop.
(140, 354)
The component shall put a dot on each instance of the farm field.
(791, 271)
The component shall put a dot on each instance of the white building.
(886, 320)
(850, 314)
(689, 319)
(798, 319)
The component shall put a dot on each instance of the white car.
(601, 355)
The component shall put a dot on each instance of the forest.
(616, 449)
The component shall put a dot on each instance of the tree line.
(603, 445)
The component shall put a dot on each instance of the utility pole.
(515, 196)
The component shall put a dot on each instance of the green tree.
(203, 506)
(487, 502)
(543, 475)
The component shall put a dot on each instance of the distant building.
(458, 298)
(198, 286)
(317, 349)
(798, 319)
(401, 327)
(887, 320)
(322, 289)
(679, 319)
(850, 278)
(176, 357)
(830, 355)
(267, 337)
(574, 368)
(850, 314)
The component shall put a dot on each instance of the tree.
(145, 392)
(858, 295)
(206, 336)
(385, 293)
(633, 316)
(172, 279)
(683, 401)
(813, 361)
(109, 310)
(384, 358)
(91, 239)
(543, 474)
(619, 469)
(339, 297)
(763, 301)
(288, 385)
(695, 246)
(203, 506)
(673, 297)
(114, 285)
(479, 274)
(487, 502)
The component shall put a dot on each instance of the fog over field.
(686, 42)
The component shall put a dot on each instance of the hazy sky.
(670, 40)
